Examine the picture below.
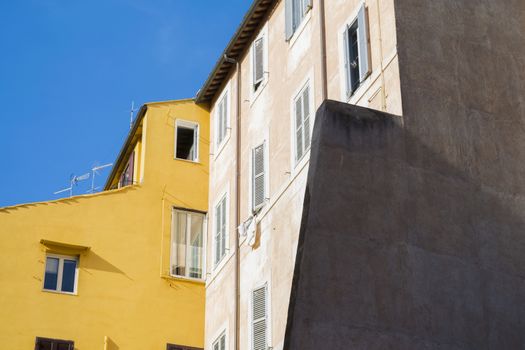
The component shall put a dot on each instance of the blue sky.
(69, 70)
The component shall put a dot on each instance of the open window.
(187, 244)
(296, 11)
(187, 140)
(356, 52)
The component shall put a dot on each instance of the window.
(53, 344)
(187, 140)
(180, 347)
(296, 10)
(258, 177)
(187, 244)
(222, 119)
(126, 178)
(259, 319)
(220, 230)
(355, 47)
(220, 343)
(61, 273)
(302, 122)
(258, 63)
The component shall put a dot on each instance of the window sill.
(187, 161)
(222, 145)
(300, 29)
(74, 294)
(182, 279)
(256, 94)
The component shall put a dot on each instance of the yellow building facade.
(124, 268)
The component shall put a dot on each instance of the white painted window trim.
(61, 272)
(218, 265)
(364, 85)
(187, 124)
(308, 80)
(262, 34)
(268, 315)
(218, 338)
(220, 146)
(204, 244)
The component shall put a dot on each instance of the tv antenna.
(94, 172)
(73, 181)
(133, 110)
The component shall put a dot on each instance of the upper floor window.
(180, 347)
(302, 121)
(187, 244)
(258, 177)
(259, 60)
(259, 326)
(296, 11)
(53, 344)
(355, 50)
(221, 117)
(61, 273)
(220, 342)
(220, 230)
(187, 140)
(126, 178)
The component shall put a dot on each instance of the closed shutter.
(223, 342)
(299, 128)
(362, 25)
(289, 19)
(223, 227)
(218, 227)
(258, 180)
(220, 122)
(259, 319)
(258, 61)
(306, 117)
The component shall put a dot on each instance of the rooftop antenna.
(131, 114)
(94, 172)
(73, 181)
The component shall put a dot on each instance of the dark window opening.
(353, 54)
(186, 138)
(180, 347)
(53, 344)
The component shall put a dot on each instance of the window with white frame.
(220, 230)
(296, 11)
(259, 326)
(187, 140)
(61, 273)
(258, 62)
(356, 52)
(302, 121)
(222, 119)
(187, 244)
(258, 177)
(220, 342)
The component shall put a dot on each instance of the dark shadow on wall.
(93, 261)
(398, 249)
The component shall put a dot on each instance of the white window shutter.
(306, 117)
(258, 61)
(223, 342)
(223, 227)
(258, 180)
(346, 50)
(362, 25)
(298, 129)
(218, 227)
(259, 319)
(289, 19)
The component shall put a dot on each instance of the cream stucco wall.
(267, 116)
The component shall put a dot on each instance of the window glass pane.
(178, 244)
(43, 344)
(195, 246)
(51, 275)
(353, 57)
(68, 276)
(62, 346)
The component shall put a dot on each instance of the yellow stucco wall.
(122, 293)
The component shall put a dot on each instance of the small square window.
(61, 274)
(53, 344)
(187, 140)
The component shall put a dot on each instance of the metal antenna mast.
(94, 172)
(131, 114)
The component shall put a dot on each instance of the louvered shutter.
(258, 181)
(223, 227)
(223, 342)
(346, 49)
(218, 226)
(298, 129)
(220, 122)
(259, 319)
(362, 25)
(306, 117)
(258, 61)
(289, 19)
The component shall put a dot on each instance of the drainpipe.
(237, 204)
(322, 31)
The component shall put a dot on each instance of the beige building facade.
(285, 59)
